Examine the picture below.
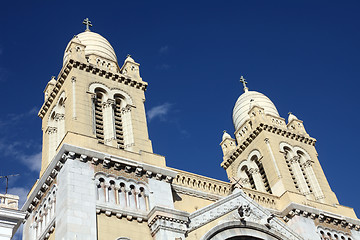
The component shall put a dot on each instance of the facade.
(101, 180)
(10, 216)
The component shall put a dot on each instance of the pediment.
(242, 213)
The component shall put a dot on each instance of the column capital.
(294, 159)
(108, 103)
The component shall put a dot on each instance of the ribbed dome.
(95, 44)
(243, 104)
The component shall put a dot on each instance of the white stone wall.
(76, 202)
(305, 227)
(5, 233)
(160, 194)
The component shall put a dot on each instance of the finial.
(224, 131)
(242, 80)
(128, 55)
(289, 113)
(88, 24)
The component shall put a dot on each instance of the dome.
(246, 101)
(95, 44)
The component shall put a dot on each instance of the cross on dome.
(88, 24)
(242, 80)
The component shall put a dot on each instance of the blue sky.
(304, 55)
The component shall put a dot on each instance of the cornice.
(195, 193)
(161, 218)
(241, 147)
(294, 209)
(70, 152)
(121, 212)
(118, 77)
(252, 135)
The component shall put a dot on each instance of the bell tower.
(93, 103)
(273, 157)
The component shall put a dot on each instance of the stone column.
(272, 157)
(259, 183)
(127, 128)
(52, 132)
(295, 165)
(312, 179)
(108, 119)
(60, 123)
(73, 81)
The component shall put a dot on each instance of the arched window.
(124, 193)
(309, 175)
(301, 170)
(293, 163)
(98, 115)
(56, 126)
(132, 197)
(101, 189)
(264, 178)
(251, 173)
(119, 133)
(111, 192)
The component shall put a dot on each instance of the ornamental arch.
(237, 230)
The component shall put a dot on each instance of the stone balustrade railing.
(201, 183)
(264, 199)
(9, 201)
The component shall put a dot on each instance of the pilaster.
(76, 202)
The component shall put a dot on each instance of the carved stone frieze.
(323, 218)
(241, 208)
(165, 219)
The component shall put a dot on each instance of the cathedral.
(100, 178)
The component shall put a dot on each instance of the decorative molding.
(160, 218)
(93, 157)
(127, 80)
(48, 230)
(244, 209)
(323, 217)
(232, 156)
(200, 183)
(195, 193)
(121, 212)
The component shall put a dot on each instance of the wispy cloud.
(159, 111)
(163, 66)
(13, 118)
(164, 49)
(32, 161)
(16, 150)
